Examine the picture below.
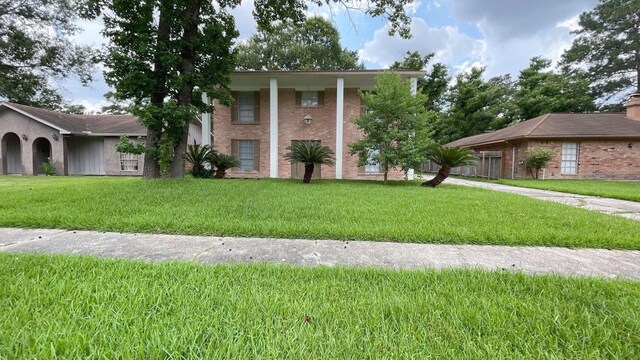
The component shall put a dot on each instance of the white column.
(206, 123)
(339, 125)
(273, 128)
(414, 91)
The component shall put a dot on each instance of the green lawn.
(625, 190)
(77, 307)
(403, 211)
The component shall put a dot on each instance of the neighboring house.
(585, 146)
(75, 144)
(273, 109)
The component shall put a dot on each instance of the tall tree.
(312, 45)
(160, 50)
(35, 50)
(394, 126)
(434, 84)
(541, 91)
(475, 106)
(608, 46)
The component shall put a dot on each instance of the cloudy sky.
(499, 34)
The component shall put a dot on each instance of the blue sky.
(501, 35)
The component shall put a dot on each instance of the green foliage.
(436, 82)
(48, 168)
(607, 45)
(394, 125)
(475, 106)
(450, 156)
(127, 146)
(312, 45)
(540, 92)
(198, 156)
(222, 163)
(537, 158)
(36, 50)
(310, 152)
(329, 209)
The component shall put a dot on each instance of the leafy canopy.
(312, 45)
(450, 156)
(394, 125)
(310, 152)
(607, 44)
(434, 84)
(35, 50)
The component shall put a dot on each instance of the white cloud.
(449, 44)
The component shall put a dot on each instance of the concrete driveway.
(628, 209)
(202, 249)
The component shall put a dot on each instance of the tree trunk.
(442, 174)
(151, 168)
(308, 172)
(220, 173)
(185, 94)
(386, 173)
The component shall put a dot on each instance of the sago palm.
(309, 153)
(222, 163)
(447, 158)
(198, 155)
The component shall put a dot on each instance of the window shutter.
(256, 155)
(234, 107)
(256, 107)
(298, 98)
(320, 98)
(235, 150)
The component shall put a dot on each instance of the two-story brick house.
(272, 109)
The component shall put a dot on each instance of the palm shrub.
(447, 158)
(222, 163)
(198, 156)
(309, 153)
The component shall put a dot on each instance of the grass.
(77, 307)
(402, 212)
(625, 190)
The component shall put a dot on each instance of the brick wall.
(292, 127)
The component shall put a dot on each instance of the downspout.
(513, 160)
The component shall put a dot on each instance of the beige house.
(75, 144)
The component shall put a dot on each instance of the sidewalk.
(628, 209)
(533, 260)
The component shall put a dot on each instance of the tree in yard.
(608, 46)
(310, 153)
(541, 91)
(222, 163)
(35, 50)
(198, 156)
(160, 50)
(394, 126)
(447, 158)
(476, 106)
(537, 158)
(312, 45)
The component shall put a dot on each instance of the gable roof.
(110, 125)
(560, 125)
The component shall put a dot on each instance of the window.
(374, 167)
(129, 162)
(309, 99)
(569, 164)
(247, 152)
(246, 107)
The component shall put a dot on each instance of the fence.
(488, 165)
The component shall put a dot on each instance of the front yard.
(625, 190)
(401, 212)
(77, 307)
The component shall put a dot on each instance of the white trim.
(206, 123)
(273, 128)
(62, 131)
(414, 86)
(103, 134)
(339, 125)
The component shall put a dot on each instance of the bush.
(537, 158)
(222, 163)
(198, 156)
(48, 168)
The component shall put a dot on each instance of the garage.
(85, 155)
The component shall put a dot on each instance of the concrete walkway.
(628, 209)
(582, 262)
